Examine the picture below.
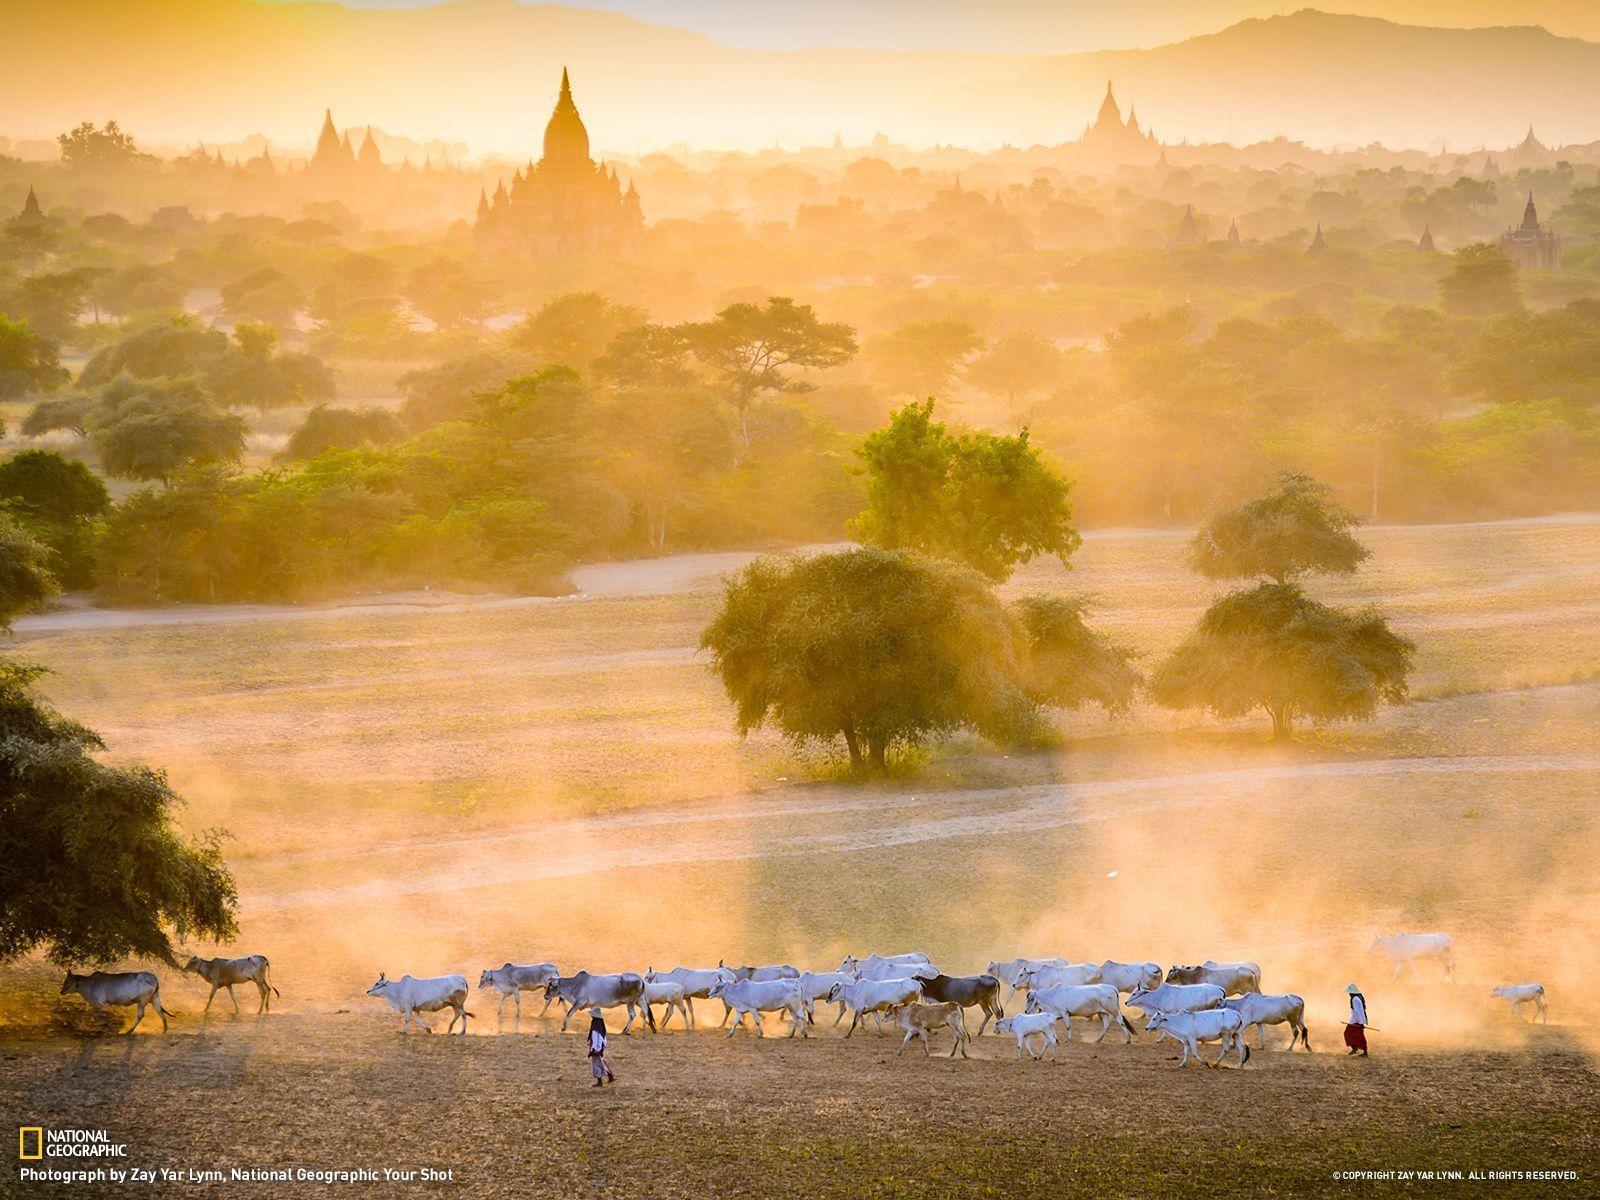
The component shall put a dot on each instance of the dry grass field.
(439, 784)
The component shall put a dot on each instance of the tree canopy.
(887, 649)
(987, 501)
(26, 582)
(1482, 283)
(1276, 649)
(28, 362)
(91, 866)
(1294, 529)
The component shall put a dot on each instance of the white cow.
(672, 995)
(1518, 994)
(513, 979)
(225, 972)
(1071, 974)
(816, 985)
(586, 990)
(1067, 1000)
(1029, 1025)
(1127, 976)
(875, 996)
(1406, 948)
(1261, 1009)
(409, 996)
(765, 995)
(118, 989)
(1176, 997)
(879, 971)
(855, 966)
(761, 974)
(696, 983)
(1189, 1029)
(1008, 972)
(1234, 978)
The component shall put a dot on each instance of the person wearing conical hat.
(597, 1049)
(1355, 1030)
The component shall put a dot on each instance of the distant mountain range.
(485, 72)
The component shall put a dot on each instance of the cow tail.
(1246, 1046)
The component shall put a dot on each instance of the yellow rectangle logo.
(38, 1143)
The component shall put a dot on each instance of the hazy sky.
(1035, 26)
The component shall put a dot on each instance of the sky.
(1036, 26)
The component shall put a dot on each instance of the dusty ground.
(439, 787)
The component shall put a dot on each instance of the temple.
(1532, 244)
(566, 203)
(1111, 139)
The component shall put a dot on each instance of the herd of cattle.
(1212, 1002)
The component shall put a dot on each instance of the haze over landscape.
(1067, 534)
(485, 64)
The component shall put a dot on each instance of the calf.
(512, 980)
(1189, 1029)
(409, 996)
(1518, 994)
(1261, 1010)
(225, 972)
(696, 983)
(1027, 1026)
(668, 993)
(118, 989)
(1066, 1001)
(919, 1020)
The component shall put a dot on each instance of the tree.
(265, 295)
(1069, 664)
(1276, 649)
(168, 346)
(26, 582)
(1482, 283)
(1016, 366)
(920, 358)
(646, 356)
(1295, 529)
(137, 288)
(91, 865)
(447, 392)
(100, 149)
(987, 501)
(154, 430)
(748, 348)
(445, 292)
(888, 649)
(46, 486)
(1273, 647)
(342, 429)
(575, 329)
(69, 413)
(258, 376)
(28, 362)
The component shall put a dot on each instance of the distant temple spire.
(369, 156)
(1233, 232)
(1531, 244)
(30, 207)
(1188, 229)
(1425, 243)
(1318, 245)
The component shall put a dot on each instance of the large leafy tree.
(1275, 649)
(327, 429)
(150, 430)
(575, 329)
(91, 866)
(1482, 283)
(1294, 529)
(1272, 647)
(750, 349)
(26, 582)
(108, 148)
(886, 649)
(987, 501)
(59, 501)
(28, 361)
(920, 358)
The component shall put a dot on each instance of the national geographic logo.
(35, 1143)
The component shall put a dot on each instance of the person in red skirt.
(1355, 1032)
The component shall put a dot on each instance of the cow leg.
(854, 1021)
(688, 1012)
(566, 1018)
(738, 1020)
(266, 992)
(726, 1013)
(209, 999)
(1105, 1028)
(1261, 1035)
(136, 1019)
(843, 1008)
(232, 996)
